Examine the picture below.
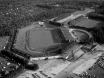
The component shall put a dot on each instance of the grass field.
(81, 36)
(88, 23)
(42, 38)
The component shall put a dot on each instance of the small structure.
(41, 23)
(72, 52)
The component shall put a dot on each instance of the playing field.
(88, 23)
(81, 35)
(41, 39)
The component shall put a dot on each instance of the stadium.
(39, 41)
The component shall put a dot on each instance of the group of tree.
(95, 15)
(17, 22)
(98, 30)
(98, 13)
(22, 18)
(20, 59)
(100, 9)
(46, 6)
(78, 3)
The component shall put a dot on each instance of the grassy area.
(88, 23)
(43, 38)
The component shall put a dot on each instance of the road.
(73, 67)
